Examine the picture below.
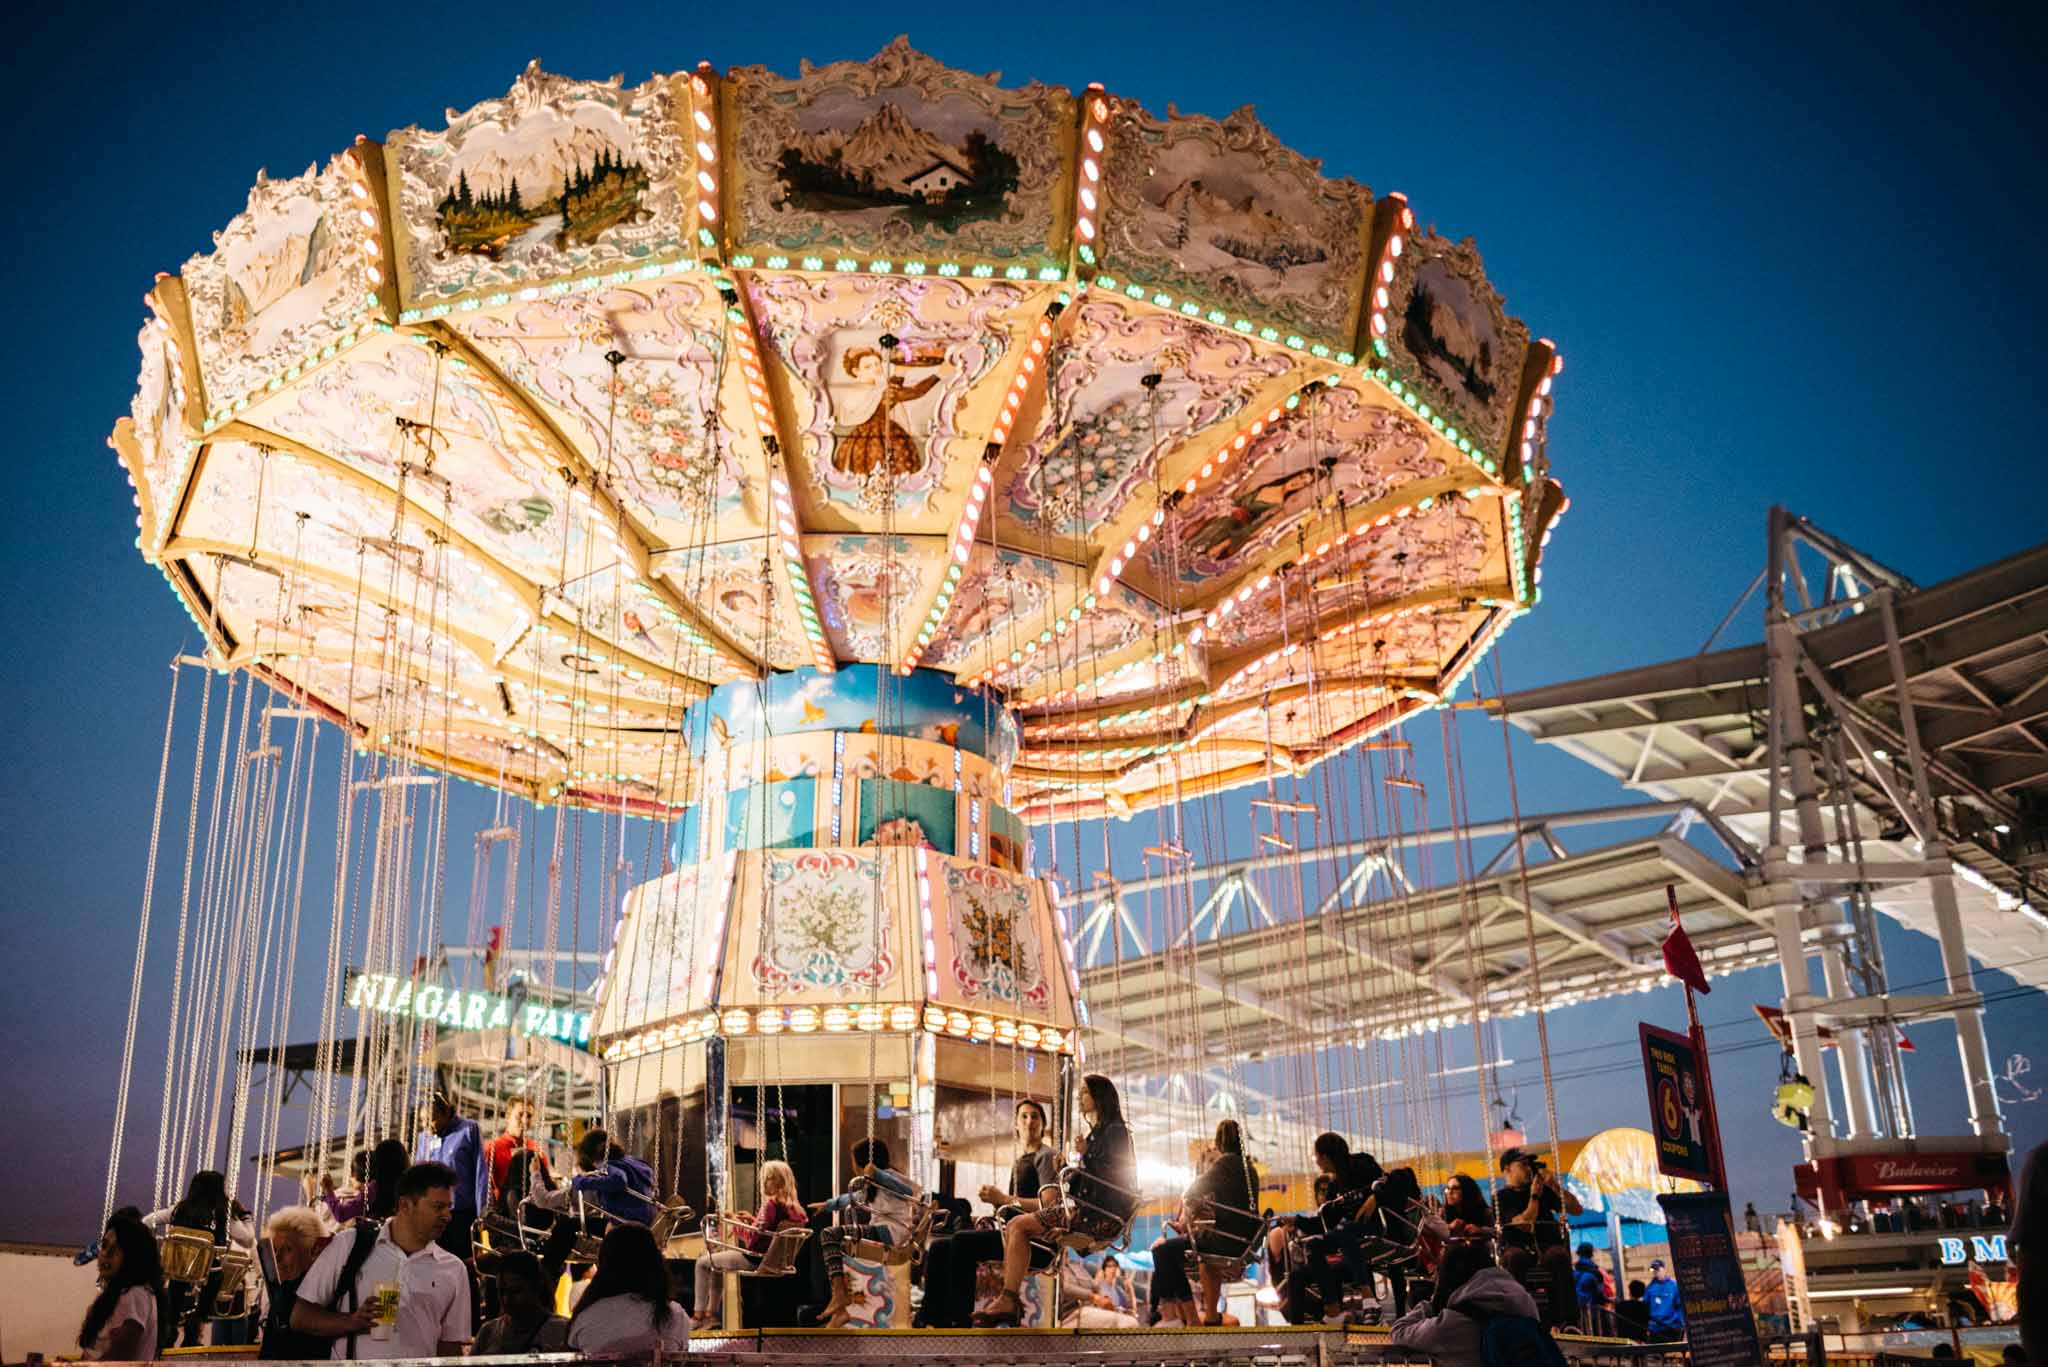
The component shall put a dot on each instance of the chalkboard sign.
(1720, 1329)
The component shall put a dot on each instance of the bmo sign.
(1978, 1248)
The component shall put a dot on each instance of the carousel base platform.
(1280, 1346)
(1275, 1346)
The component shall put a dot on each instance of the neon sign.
(451, 1008)
(1980, 1248)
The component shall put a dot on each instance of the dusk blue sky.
(1788, 255)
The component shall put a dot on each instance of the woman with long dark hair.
(376, 1193)
(121, 1323)
(1465, 1203)
(1218, 1206)
(206, 1206)
(1100, 1191)
(626, 1307)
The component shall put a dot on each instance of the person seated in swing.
(207, 1206)
(618, 1184)
(779, 1208)
(1100, 1196)
(1531, 1208)
(375, 1194)
(878, 1206)
(1339, 1227)
(951, 1263)
(1216, 1210)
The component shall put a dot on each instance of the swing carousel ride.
(836, 476)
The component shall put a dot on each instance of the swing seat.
(231, 1297)
(493, 1234)
(671, 1217)
(1088, 1228)
(1232, 1237)
(187, 1255)
(905, 1254)
(728, 1235)
(535, 1226)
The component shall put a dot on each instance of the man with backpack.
(362, 1269)
(1591, 1282)
(1479, 1315)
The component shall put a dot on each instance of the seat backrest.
(783, 1246)
(187, 1254)
(1228, 1238)
(228, 1300)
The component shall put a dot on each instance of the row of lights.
(188, 450)
(977, 496)
(1131, 718)
(1229, 606)
(924, 920)
(1245, 437)
(962, 552)
(788, 533)
(799, 576)
(847, 265)
(707, 156)
(872, 1018)
(1109, 680)
(582, 285)
(1192, 308)
(1383, 273)
(1539, 404)
(1087, 211)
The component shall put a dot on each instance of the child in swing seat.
(882, 1213)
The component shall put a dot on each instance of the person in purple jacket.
(616, 1182)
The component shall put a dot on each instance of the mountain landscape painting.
(1447, 328)
(941, 169)
(1225, 213)
(549, 183)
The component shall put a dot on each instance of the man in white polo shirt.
(432, 1283)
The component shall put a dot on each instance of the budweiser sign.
(1877, 1174)
(1916, 1169)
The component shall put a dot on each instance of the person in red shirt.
(508, 1141)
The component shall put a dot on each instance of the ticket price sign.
(1680, 1119)
(1720, 1328)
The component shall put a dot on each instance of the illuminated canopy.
(503, 441)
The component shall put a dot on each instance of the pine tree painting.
(486, 222)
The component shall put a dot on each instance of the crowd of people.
(392, 1266)
(389, 1267)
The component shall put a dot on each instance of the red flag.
(1681, 962)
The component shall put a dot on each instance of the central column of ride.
(847, 913)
